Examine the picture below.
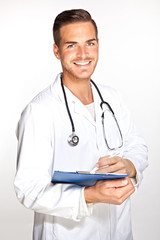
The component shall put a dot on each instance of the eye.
(71, 46)
(90, 44)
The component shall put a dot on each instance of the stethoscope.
(73, 139)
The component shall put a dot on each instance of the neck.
(81, 88)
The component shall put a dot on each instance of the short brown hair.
(71, 16)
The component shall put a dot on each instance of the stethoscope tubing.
(73, 138)
(66, 103)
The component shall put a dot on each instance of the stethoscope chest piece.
(73, 139)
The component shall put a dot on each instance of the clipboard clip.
(91, 172)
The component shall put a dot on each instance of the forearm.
(57, 200)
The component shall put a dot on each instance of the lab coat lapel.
(97, 102)
(80, 108)
(74, 103)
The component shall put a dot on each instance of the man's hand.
(109, 191)
(116, 165)
(112, 191)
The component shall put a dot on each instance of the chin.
(83, 76)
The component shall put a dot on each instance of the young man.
(73, 104)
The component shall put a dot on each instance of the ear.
(98, 41)
(56, 51)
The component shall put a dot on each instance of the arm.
(132, 162)
(134, 153)
(35, 164)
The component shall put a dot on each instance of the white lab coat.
(60, 210)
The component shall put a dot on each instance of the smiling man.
(78, 50)
(78, 53)
(76, 125)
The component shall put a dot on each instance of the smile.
(82, 63)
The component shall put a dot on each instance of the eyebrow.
(73, 42)
(70, 42)
(91, 40)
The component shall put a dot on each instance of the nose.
(82, 52)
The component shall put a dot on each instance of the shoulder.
(114, 98)
(109, 93)
(43, 106)
(46, 97)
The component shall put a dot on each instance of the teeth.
(83, 63)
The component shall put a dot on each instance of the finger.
(118, 167)
(124, 196)
(107, 160)
(122, 171)
(113, 183)
(125, 192)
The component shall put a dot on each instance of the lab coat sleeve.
(135, 148)
(85, 209)
(32, 183)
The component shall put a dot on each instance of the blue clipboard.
(83, 178)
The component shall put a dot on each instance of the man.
(73, 104)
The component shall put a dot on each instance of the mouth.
(82, 63)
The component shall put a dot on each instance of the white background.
(129, 33)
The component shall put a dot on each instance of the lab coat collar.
(58, 89)
(78, 106)
(70, 95)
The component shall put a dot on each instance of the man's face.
(78, 50)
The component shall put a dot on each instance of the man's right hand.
(109, 191)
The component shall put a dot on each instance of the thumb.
(116, 183)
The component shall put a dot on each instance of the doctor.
(61, 129)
